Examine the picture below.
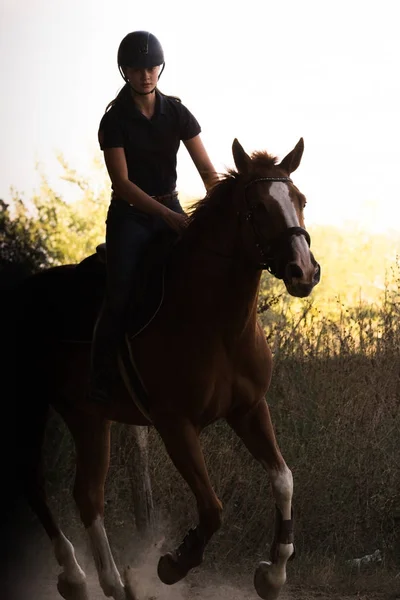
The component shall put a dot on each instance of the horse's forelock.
(262, 161)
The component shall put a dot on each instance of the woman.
(140, 134)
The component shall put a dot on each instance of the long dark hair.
(118, 97)
(126, 89)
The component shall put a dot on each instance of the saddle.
(148, 286)
(146, 299)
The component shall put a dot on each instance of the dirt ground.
(30, 571)
(36, 579)
(194, 588)
(44, 588)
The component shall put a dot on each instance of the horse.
(207, 323)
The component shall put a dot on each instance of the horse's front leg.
(182, 442)
(256, 431)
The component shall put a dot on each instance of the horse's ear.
(292, 160)
(242, 160)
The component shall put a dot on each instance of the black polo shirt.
(150, 145)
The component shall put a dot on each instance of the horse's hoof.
(72, 591)
(130, 579)
(169, 570)
(267, 581)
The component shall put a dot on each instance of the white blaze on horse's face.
(279, 191)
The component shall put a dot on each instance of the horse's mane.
(215, 200)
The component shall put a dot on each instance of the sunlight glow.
(267, 73)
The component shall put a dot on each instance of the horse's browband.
(268, 179)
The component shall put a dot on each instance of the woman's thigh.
(127, 236)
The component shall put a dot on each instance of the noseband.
(270, 250)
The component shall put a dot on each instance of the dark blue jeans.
(128, 233)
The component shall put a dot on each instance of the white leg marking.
(65, 555)
(270, 577)
(282, 487)
(109, 577)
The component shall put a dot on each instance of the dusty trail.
(32, 573)
(36, 579)
(209, 588)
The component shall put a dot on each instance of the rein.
(268, 252)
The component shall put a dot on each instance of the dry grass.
(335, 405)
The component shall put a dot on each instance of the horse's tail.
(10, 310)
(23, 410)
(23, 418)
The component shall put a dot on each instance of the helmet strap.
(131, 86)
(160, 73)
(122, 73)
(141, 93)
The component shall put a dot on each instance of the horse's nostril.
(317, 275)
(294, 271)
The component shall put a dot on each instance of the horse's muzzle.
(296, 283)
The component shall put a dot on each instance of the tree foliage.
(72, 229)
(47, 230)
(357, 266)
(19, 240)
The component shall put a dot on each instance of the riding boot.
(104, 376)
(104, 372)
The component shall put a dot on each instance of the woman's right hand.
(177, 221)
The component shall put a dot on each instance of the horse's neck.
(215, 279)
(240, 293)
(219, 237)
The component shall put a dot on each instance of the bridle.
(269, 251)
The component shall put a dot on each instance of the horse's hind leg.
(71, 581)
(92, 442)
(256, 431)
(183, 445)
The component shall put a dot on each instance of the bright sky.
(267, 72)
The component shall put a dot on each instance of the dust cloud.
(33, 573)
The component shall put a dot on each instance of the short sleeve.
(110, 131)
(189, 126)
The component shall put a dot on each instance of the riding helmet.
(141, 50)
